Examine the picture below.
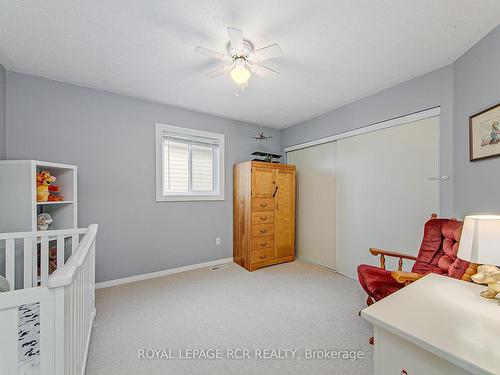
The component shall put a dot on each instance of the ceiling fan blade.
(219, 71)
(210, 53)
(264, 71)
(269, 52)
(235, 38)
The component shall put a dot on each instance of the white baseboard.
(171, 271)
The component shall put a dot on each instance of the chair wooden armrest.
(395, 254)
(405, 277)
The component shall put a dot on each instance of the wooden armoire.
(263, 214)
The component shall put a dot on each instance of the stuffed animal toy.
(43, 180)
(54, 195)
(52, 260)
(489, 275)
(44, 220)
(46, 191)
(4, 285)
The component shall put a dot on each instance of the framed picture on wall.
(484, 134)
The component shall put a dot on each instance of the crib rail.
(32, 274)
(66, 298)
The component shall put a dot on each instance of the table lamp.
(480, 243)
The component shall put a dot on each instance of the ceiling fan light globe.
(240, 74)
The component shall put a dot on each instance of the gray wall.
(477, 87)
(3, 128)
(111, 140)
(427, 91)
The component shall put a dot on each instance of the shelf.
(59, 202)
(21, 202)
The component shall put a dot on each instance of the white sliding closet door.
(384, 194)
(316, 184)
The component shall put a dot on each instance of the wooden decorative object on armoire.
(263, 214)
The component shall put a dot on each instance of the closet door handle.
(275, 190)
(263, 243)
(263, 230)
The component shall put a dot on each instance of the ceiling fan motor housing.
(243, 54)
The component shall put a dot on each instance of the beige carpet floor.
(297, 306)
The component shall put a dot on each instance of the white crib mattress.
(29, 339)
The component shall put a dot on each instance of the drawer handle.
(263, 256)
(263, 230)
(263, 204)
(263, 243)
(263, 217)
(403, 372)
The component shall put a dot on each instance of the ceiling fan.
(241, 59)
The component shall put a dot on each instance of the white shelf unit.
(18, 195)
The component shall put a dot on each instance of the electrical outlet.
(217, 241)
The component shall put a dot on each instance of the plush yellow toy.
(43, 180)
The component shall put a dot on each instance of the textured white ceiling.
(334, 51)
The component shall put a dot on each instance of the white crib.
(65, 297)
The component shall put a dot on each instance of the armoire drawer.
(262, 255)
(262, 229)
(259, 243)
(262, 217)
(262, 204)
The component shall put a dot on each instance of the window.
(189, 164)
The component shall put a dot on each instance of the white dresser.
(436, 326)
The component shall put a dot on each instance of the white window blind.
(175, 166)
(190, 164)
(202, 167)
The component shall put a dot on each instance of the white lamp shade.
(480, 240)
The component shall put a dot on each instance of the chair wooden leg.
(369, 302)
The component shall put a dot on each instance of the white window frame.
(161, 130)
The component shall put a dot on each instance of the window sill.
(185, 198)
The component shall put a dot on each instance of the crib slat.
(34, 262)
(74, 322)
(47, 337)
(60, 251)
(44, 263)
(59, 331)
(9, 263)
(70, 332)
(67, 337)
(75, 240)
(79, 318)
(28, 267)
(8, 340)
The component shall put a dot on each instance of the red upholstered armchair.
(437, 254)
